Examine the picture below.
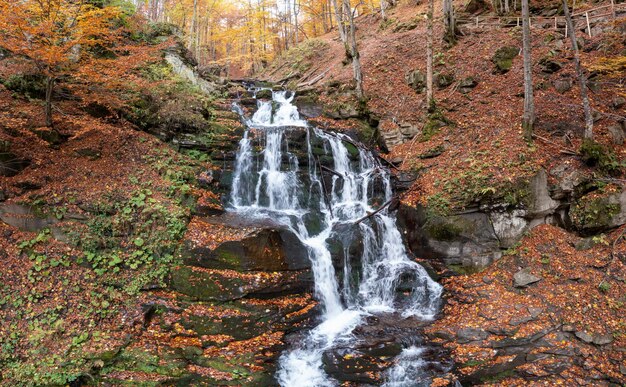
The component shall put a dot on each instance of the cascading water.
(321, 210)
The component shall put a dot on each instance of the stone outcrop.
(475, 238)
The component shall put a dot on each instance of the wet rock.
(502, 331)
(262, 250)
(211, 285)
(264, 94)
(50, 136)
(308, 106)
(466, 335)
(523, 278)
(503, 58)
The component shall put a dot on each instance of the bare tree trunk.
(582, 79)
(48, 106)
(194, 27)
(339, 19)
(354, 52)
(449, 22)
(429, 53)
(528, 120)
(382, 9)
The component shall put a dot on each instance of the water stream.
(273, 179)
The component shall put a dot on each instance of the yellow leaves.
(54, 33)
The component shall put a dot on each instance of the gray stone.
(535, 312)
(24, 218)
(524, 278)
(618, 102)
(520, 320)
(467, 84)
(417, 80)
(563, 85)
(466, 335)
(584, 336)
(617, 134)
(602, 339)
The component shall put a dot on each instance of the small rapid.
(326, 210)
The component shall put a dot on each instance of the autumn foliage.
(55, 35)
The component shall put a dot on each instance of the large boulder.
(270, 249)
(476, 237)
(503, 58)
(217, 285)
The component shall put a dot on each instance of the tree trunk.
(449, 22)
(382, 9)
(354, 52)
(48, 106)
(339, 20)
(528, 120)
(429, 54)
(582, 79)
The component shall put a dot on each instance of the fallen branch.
(393, 199)
(563, 150)
(329, 170)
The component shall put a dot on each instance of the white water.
(278, 112)
(271, 185)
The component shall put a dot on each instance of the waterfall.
(272, 184)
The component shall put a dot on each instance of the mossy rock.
(136, 359)
(221, 286)
(264, 94)
(206, 286)
(503, 58)
(442, 230)
(593, 213)
(353, 151)
(50, 136)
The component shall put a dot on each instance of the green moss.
(503, 58)
(443, 231)
(597, 155)
(593, 212)
(353, 151)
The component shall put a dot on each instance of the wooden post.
(518, 21)
(476, 21)
(566, 29)
(555, 26)
(588, 25)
